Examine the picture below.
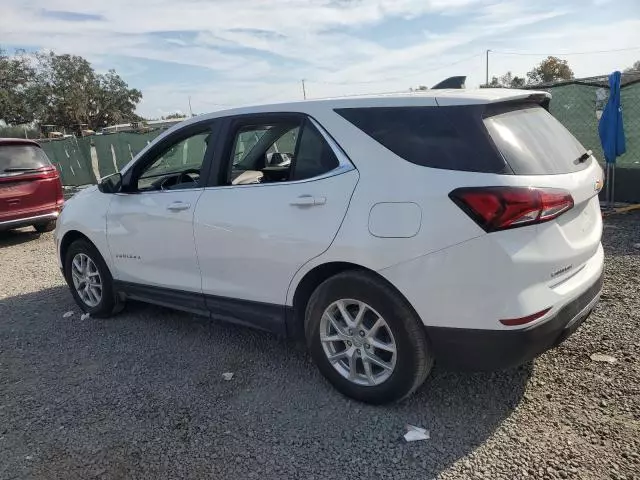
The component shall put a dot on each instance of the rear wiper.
(20, 169)
(584, 157)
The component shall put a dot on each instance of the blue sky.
(233, 52)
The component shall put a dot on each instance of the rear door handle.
(308, 201)
(178, 206)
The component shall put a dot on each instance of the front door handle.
(178, 206)
(308, 201)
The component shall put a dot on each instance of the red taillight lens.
(499, 208)
(512, 322)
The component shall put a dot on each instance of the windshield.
(16, 158)
(533, 142)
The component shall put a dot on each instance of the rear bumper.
(27, 221)
(473, 349)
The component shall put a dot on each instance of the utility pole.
(190, 110)
(487, 77)
(304, 92)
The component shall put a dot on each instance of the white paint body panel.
(395, 220)
(160, 240)
(86, 212)
(251, 240)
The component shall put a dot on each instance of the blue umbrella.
(611, 129)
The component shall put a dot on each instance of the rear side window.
(450, 138)
(315, 156)
(19, 158)
(533, 142)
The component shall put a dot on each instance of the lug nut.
(350, 332)
(367, 346)
(348, 343)
(362, 333)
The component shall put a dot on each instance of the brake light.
(500, 208)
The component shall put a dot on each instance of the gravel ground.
(142, 395)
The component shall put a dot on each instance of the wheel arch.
(70, 237)
(312, 279)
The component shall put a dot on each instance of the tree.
(550, 70)
(63, 90)
(16, 88)
(633, 68)
(171, 116)
(518, 82)
(507, 81)
(114, 101)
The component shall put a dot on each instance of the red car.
(30, 187)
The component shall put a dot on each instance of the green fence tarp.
(576, 106)
(116, 150)
(72, 158)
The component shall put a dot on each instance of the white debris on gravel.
(227, 376)
(601, 357)
(68, 314)
(85, 316)
(416, 433)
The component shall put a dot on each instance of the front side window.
(177, 167)
(278, 151)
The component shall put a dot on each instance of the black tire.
(45, 227)
(413, 358)
(109, 303)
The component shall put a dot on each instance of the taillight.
(500, 208)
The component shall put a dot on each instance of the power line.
(399, 77)
(566, 53)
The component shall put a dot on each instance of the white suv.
(389, 231)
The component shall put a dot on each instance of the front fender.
(85, 213)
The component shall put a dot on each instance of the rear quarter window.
(21, 157)
(452, 138)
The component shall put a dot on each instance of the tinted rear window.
(21, 157)
(533, 142)
(438, 137)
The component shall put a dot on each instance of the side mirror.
(111, 184)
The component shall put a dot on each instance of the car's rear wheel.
(45, 227)
(90, 280)
(366, 339)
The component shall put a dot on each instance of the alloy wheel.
(358, 342)
(86, 279)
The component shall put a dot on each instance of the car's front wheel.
(365, 339)
(90, 280)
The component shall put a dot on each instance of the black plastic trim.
(263, 316)
(166, 297)
(474, 349)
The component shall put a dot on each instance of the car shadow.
(10, 238)
(110, 394)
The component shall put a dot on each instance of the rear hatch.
(29, 184)
(515, 170)
(535, 144)
(552, 193)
